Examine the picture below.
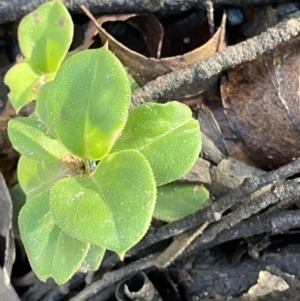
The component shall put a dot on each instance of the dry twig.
(275, 195)
(15, 9)
(225, 228)
(178, 246)
(215, 211)
(114, 276)
(220, 61)
(276, 223)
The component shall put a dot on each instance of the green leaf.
(30, 138)
(88, 102)
(166, 135)
(24, 80)
(175, 201)
(45, 36)
(111, 208)
(36, 177)
(41, 109)
(51, 252)
(93, 258)
(133, 84)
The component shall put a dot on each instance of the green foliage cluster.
(89, 168)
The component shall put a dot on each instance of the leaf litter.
(260, 93)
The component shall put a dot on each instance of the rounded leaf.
(168, 137)
(50, 251)
(93, 258)
(30, 138)
(41, 109)
(88, 102)
(45, 36)
(24, 80)
(36, 177)
(111, 208)
(175, 201)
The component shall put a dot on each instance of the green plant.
(44, 38)
(88, 166)
(175, 201)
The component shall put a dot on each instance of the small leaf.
(45, 36)
(30, 138)
(41, 109)
(36, 177)
(133, 84)
(24, 80)
(175, 201)
(88, 102)
(51, 252)
(111, 208)
(93, 258)
(166, 135)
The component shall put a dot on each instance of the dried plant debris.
(6, 208)
(148, 65)
(209, 125)
(255, 123)
(267, 283)
(229, 174)
(261, 101)
(127, 29)
(7, 291)
(212, 276)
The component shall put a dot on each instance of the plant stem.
(87, 167)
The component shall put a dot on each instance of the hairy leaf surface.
(36, 177)
(45, 36)
(111, 208)
(41, 109)
(175, 201)
(166, 135)
(88, 102)
(93, 258)
(24, 80)
(30, 138)
(51, 252)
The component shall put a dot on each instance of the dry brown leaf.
(210, 127)
(261, 101)
(234, 146)
(147, 25)
(144, 69)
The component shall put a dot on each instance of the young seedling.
(44, 38)
(88, 166)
